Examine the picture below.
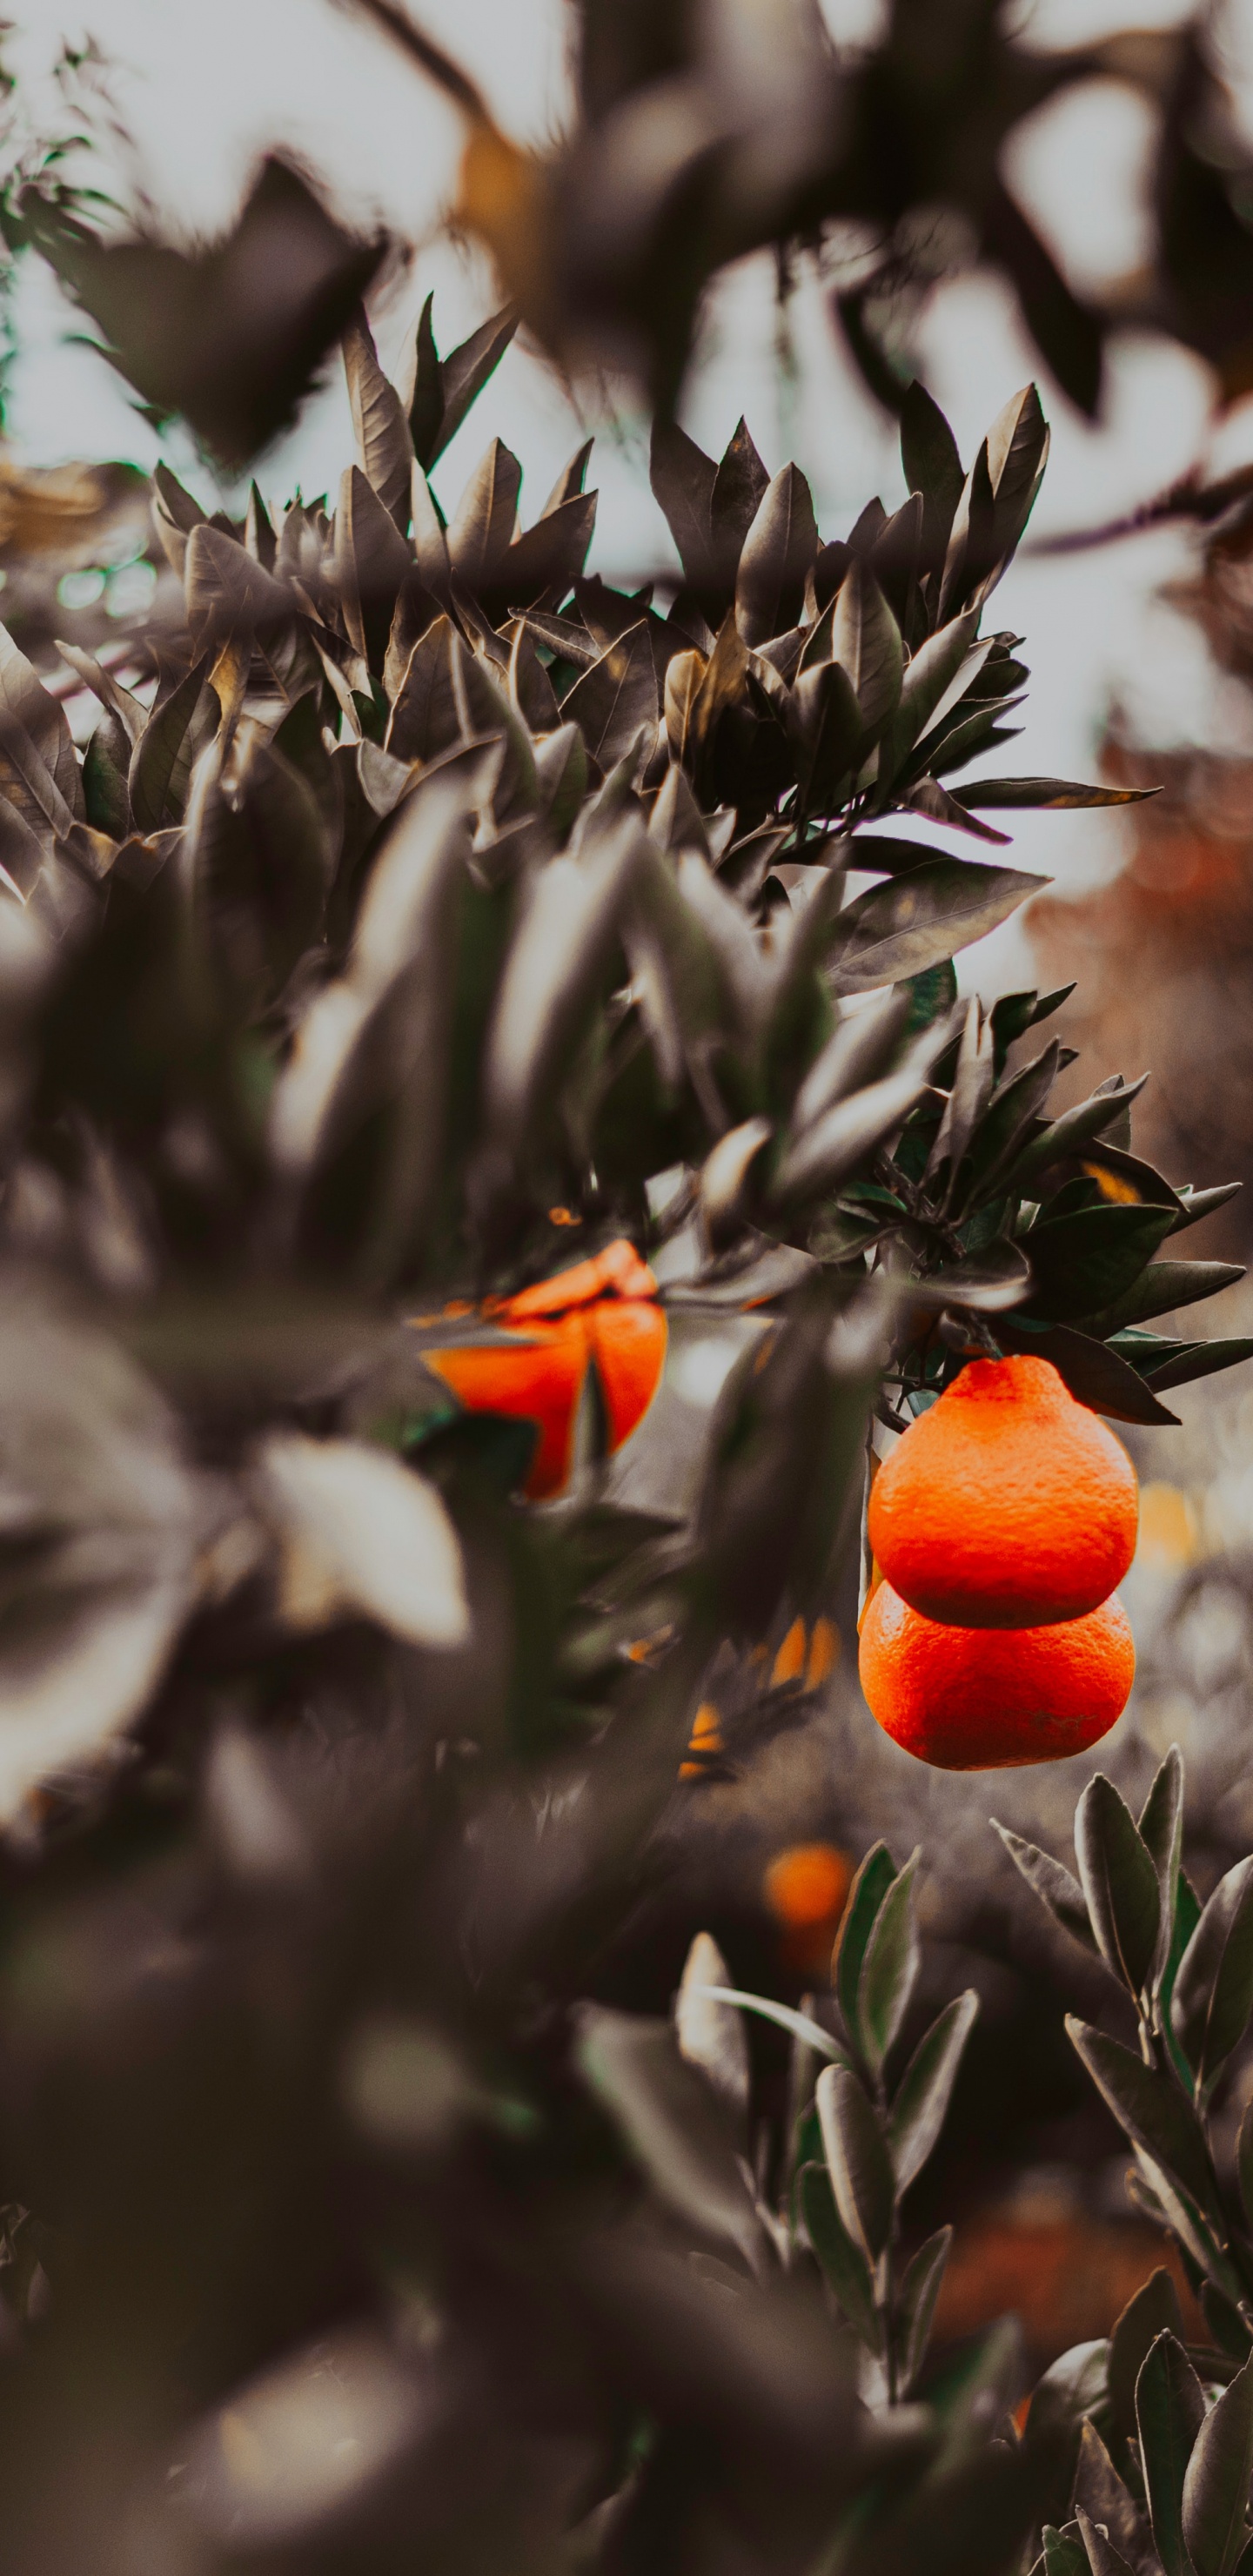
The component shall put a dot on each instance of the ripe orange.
(1007, 1504)
(986, 1699)
(804, 1888)
(602, 1314)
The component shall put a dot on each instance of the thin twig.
(1189, 498)
(429, 56)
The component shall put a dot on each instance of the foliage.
(440, 901)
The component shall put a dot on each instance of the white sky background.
(202, 93)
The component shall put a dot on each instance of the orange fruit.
(603, 1314)
(1007, 1504)
(805, 1888)
(990, 1699)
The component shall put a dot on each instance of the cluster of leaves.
(441, 893)
(1166, 2457)
(696, 142)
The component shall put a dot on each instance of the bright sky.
(202, 93)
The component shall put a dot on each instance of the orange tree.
(446, 964)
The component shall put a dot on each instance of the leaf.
(889, 1970)
(1153, 2310)
(372, 563)
(739, 487)
(103, 1527)
(933, 681)
(611, 701)
(875, 1875)
(160, 767)
(1120, 1883)
(843, 2262)
(920, 2102)
(1170, 2410)
(1194, 1204)
(1052, 1883)
(709, 2030)
(831, 1147)
(915, 2304)
(898, 929)
(231, 336)
(810, 2034)
(933, 467)
(561, 953)
(426, 717)
(1067, 1134)
(384, 448)
(866, 642)
(1103, 2558)
(1063, 2552)
(827, 725)
(38, 770)
(1100, 2490)
(1152, 2110)
(481, 530)
(1166, 1286)
(778, 551)
(465, 371)
(683, 480)
(1050, 795)
(362, 1536)
(1203, 1359)
(549, 558)
(1095, 1373)
(1213, 1991)
(1084, 1262)
(857, 2159)
(1216, 2487)
(1018, 446)
(670, 2121)
(1161, 1832)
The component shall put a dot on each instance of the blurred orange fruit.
(601, 1314)
(1007, 1504)
(984, 1699)
(805, 1887)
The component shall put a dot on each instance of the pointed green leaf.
(1170, 2410)
(875, 1876)
(1120, 1883)
(1149, 2107)
(915, 2305)
(1213, 1993)
(920, 2103)
(1216, 2487)
(778, 551)
(857, 2159)
(841, 2258)
(1052, 1883)
(889, 1970)
(1152, 2311)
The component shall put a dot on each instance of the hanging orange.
(602, 1314)
(985, 1699)
(1007, 1504)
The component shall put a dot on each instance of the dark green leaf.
(842, 2259)
(1216, 2487)
(1067, 1134)
(1085, 1262)
(870, 1886)
(1195, 1204)
(1103, 2558)
(1052, 1883)
(1201, 1359)
(1167, 1286)
(1151, 2109)
(611, 701)
(866, 642)
(1170, 2410)
(915, 2305)
(857, 2159)
(920, 2102)
(480, 532)
(933, 467)
(778, 551)
(683, 480)
(1052, 795)
(912, 922)
(1213, 1994)
(889, 1970)
(1152, 2311)
(1096, 1373)
(159, 764)
(1161, 1832)
(1064, 2553)
(1120, 1883)
(671, 2121)
(463, 374)
(384, 451)
(1009, 1116)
